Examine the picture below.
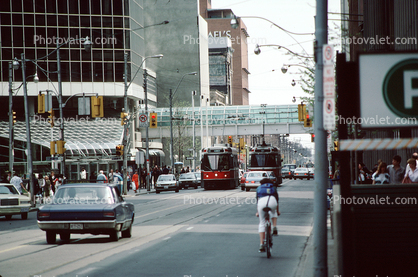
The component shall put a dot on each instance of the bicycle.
(268, 239)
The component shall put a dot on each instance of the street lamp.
(257, 50)
(285, 67)
(171, 116)
(125, 141)
(87, 43)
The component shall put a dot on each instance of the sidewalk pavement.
(306, 264)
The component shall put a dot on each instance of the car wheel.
(294, 178)
(247, 189)
(177, 190)
(157, 191)
(51, 237)
(9, 216)
(65, 236)
(24, 216)
(309, 179)
(242, 188)
(127, 233)
(114, 236)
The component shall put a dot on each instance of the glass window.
(75, 54)
(85, 21)
(95, 6)
(97, 55)
(52, 20)
(64, 54)
(96, 21)
(65, 71)
(51, 7)
(16, 5)
(40, 20)
(84, 7)
(5, 6)
(40, 6)
(29, 19)
(117, 7)
(73, 7)
(75, 72)
(74, 21)
(98, 72)
(51, 33)
(107, 22)
(6, 54)
(86, 66)
(108, 72)
(63, 33)
(119, 69)
(5, 19)
(106, 7)
(118, 22)
(6, 34)
(108, 55)
(62, 6)
(17, 19)
(62, 20)
(17, 36)
(29, 37)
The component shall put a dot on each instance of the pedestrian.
(396, 171)
(381, 176)
(118, 180)
(83, 174)
(143, 178)
(374, 169)
(128, 181)
(47, 188)
(9, 177)
(165, 170)
(111, 177)
(337, 173)
(17, 182)
(101, 178)
(415, 157)
(135, 181)
(411, 175)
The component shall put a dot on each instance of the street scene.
(203, 138)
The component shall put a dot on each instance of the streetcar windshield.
(264, 160)
(217, 162)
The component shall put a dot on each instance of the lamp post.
(171, 95)
(207, 122)
(125, 142)
(194, 133)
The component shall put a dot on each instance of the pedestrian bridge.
(228, 120)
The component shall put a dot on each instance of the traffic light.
(153, 121)
(241, 144)
(14, 118)
(230, 140)
(336, 145)
(307, 122)
(41, 103)
(123, 118)
(301, 112)
(52, 147)
(97, 109)
(51, 117)
(60, 147)
(119, 150)
(312, 137)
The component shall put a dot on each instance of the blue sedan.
(86, 209)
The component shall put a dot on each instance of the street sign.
(189, 158)
(388, 90)
(328, 88)
(143, 118)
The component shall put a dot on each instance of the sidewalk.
(306, 264)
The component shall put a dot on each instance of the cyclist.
(267, 196)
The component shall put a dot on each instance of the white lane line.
(189, 228)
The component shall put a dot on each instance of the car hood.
(14, 196)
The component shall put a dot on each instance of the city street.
(192, 233)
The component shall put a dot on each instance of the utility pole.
(11, 127)
(125, 126)
(321, 162)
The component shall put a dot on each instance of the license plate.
(166, 187)
(24, 210)
(76, 226)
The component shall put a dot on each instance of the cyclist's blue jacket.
(266, 190)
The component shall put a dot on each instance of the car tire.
(51, 237)
(294, 178)
(65, 236)
(177, 190)
(309, 179)
(9, 216)
(127, 233)
(242, 188)
(157, 191)
(247, 189)
(24, 215)
(114, 236)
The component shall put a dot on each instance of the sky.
(268, 85)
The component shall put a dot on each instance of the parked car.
(301, 173)
(287, 173)
(187, 180)
(291, 167)
(86, 209)
(166, 182)
(253, 179)
(12, 202)
(242, 180)
(198, 176)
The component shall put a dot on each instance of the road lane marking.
(189, 228)
(13, 248)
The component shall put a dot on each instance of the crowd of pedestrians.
(382, 173)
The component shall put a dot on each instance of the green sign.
(400, 88)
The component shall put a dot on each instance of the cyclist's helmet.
(266, 181)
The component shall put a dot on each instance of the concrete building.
(219, 25)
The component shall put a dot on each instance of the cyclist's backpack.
(266, 190)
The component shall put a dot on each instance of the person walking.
(111, 177)
(83, 174)
(411, 175)
(101, 178)
(396, 171)
(17, 182)
(135, 180)
(381, 176)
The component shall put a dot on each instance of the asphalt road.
(193, 233)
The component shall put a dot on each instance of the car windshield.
(10, 189)
(165, 178)
(83, 195)
(187, 176)
(257, 175)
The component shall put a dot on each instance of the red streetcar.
(219, 167)
(265, 157)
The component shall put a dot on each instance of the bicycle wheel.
(268, 241)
